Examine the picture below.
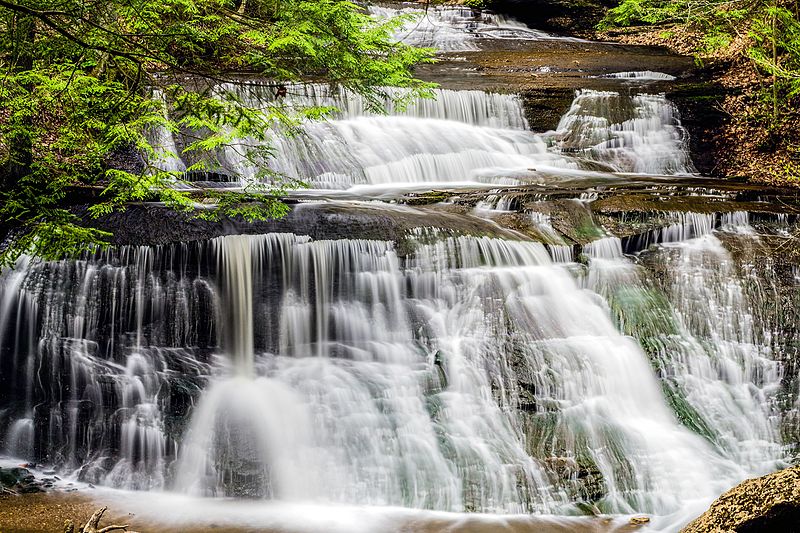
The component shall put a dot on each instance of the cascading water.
(715, 365)
(440, 370)
(639, 134)
(455, 28)
(467, 137)
(472, 371)
(640, 75)
(163, 141)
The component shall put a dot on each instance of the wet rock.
(544, 106)
(768, 503)
(19, 480)
(580, 478)
(11, 476)
(575, 221)
(639, 520)
(126, 157)
(154, 224)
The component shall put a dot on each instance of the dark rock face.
(769, 503)
(19, 480)
(782, 517)
(559, 16)
(126, 158)
(152, 224)
(703, 118)
(545, 106)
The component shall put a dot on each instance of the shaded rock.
(19, 480)
(559, 16)
(769, 503)
(11, 476)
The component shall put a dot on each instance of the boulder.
(769, 503)
(18, 480)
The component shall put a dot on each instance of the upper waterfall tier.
(640, 133)
(455, 28)
(464, 137)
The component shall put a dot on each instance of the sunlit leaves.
(107, 75)
(771, 30)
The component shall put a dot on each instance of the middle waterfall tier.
(464, 137)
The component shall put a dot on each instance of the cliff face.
(576, 17)
(769, 503)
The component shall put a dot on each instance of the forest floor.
(747, 143)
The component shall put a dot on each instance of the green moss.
(588, 231)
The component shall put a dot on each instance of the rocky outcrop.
(154, 224)
(559, 16)
(769, 503)
(20, 481)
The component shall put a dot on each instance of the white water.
(471, 107)
(167, 157)
(455, 28)
(705, 339)
(389, 375)
(467, 137)
(640, 75)
(640, 134)
(355, 386)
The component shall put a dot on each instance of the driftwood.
(93, 525)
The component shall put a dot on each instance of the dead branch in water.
(93, 525)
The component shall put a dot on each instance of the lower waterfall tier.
(463, 374)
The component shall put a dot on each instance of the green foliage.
(772, 30)
(632, 12)
(86, 82)
(779, 27)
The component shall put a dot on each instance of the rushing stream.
(449, 370)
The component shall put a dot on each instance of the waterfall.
(464, 137)
(428, 368)
(456, 28)
(162, 140)
(471, 107)
(94, 352)
(702, 336)
(639, 134)
(642, 75)
(235, 257)
(474, 370)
